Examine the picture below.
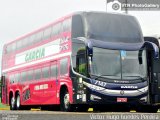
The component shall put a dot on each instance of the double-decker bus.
(84, 59)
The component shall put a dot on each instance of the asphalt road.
(52, 115)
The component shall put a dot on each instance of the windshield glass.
(116, 64)
(113, 28)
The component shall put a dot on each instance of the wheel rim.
(66, 101)
(18, 102)
(12, 102)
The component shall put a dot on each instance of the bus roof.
(83, 14)
(112, 27)
(39, 29)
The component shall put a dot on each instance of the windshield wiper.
(98, 76)
(138, 77)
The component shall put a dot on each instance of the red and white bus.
(84, 59)
(36, 66)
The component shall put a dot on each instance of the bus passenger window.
(37, 74)
(47, 33)
(67, 25)
(31, 39)
(11, 78)
(17, 77)
(9, 49)
(30, 75)
(64, 66)
(38, 36)
(23, 76)
(45, 72)
(54, 71)
(13, 47)
(18, 45)
(24, 43)
(56, 29)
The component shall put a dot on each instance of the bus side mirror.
(149, 46)
(153, 47)
(90, 52)
(140, 56)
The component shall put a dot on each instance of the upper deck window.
(56, 29)
(31, 39)
(38, 36)
(19, 45)
(47, 33)
(11, 47)
(24, 42)
(66, 25)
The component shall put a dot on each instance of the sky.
(18, 17)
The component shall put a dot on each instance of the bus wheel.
(64, 101)
(18, 102)
(12, 103)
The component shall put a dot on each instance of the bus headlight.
(143, 99)
(94, 97)
(84, 97)
(80, 80)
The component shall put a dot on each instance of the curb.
(4, 108)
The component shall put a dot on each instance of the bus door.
(52, 88)
(81, 62)
(81, 68)
(4, 90)
(155, 81)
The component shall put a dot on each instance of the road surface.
(53, 115)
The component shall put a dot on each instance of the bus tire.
(18, 105)
(64, 101)
(18, 102)
(12, 103)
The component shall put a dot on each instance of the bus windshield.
(113, 28)
(117, 64)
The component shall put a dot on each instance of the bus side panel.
(65, 80)
(68, 83)
(155, 82)
(154, 73)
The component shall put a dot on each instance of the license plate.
(121, 99)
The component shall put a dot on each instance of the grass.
(2, 106)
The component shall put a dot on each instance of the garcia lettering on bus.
(36, 54)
